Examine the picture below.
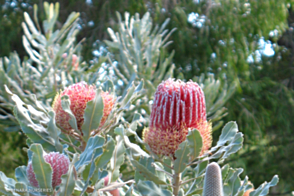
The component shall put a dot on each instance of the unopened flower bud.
(213, 185)
(59, 164)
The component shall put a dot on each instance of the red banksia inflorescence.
(177, 107)
(59, 164)
(79, 94)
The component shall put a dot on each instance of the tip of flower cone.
(79, 95)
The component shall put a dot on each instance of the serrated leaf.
(65, 104)
(41, 168)
(135, 149)
(244, 187)
(126, 98)
(194, 143)
(131, 94)
(150, 188)
(93, 144)
(144, 170)
(68, 180)
(225, 170)
(108, 149)
(234, 145)
(230, 142)
(21, 174)
(228, 133)
(54, 131)
(135, 121)
(233, 183)
(117, 160)
(194, 188)
(200, 168)
(6, 184)
(102, 160)
(130, 191)
(21, 189)
(182, 157)
(108, 85)
(263, 189)
(90, 169)
(92, 116)
(35, 132)
(119, 131)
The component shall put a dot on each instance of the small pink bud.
(59, 164)
(113, 192)
(79, 94)
(177, 107)
(64, 55)
(75, 62)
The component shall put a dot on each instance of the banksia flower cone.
(79, 94)
(213, 185)
(177, 107)
(59, 164)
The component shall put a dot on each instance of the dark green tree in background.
(223, 38)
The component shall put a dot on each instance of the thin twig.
(74, 147)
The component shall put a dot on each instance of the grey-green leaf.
(21, 175)
(228, 133)
(263, 189)
(182, 157)
(7, 185)
(68, 180)
(21, 189)
(117, 160)
(108, 149)
(54, 131)
(194, 143)
(149, 188)
(42, 169)
(92, 116)
(86, 157)
(65, 104)
(144, 170)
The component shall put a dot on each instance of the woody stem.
(176, 183)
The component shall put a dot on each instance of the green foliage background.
(263, 102)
